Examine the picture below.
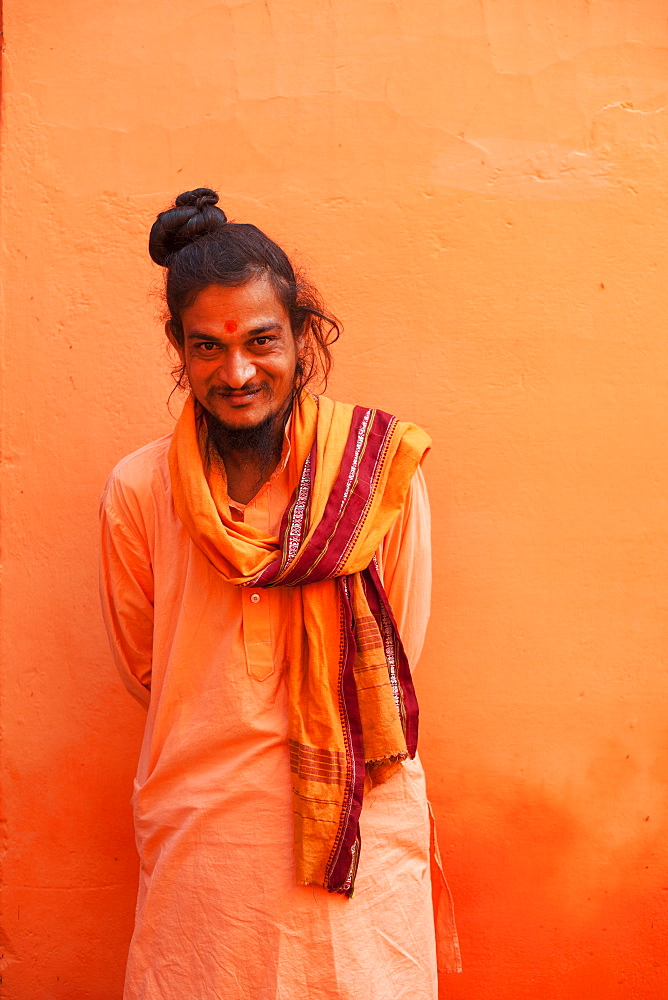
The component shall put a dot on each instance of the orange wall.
(480, 188)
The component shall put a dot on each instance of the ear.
(169, 330)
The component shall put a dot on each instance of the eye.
(262, 341)
(207, 346)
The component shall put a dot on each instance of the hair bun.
(199, 198)
(193, 215)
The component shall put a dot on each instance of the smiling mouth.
(238, 397)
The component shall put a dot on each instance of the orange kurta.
(219, 916)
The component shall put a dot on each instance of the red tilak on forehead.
(231, 326)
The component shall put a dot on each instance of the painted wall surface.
(480, 189)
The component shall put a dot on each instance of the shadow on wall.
(552, 895)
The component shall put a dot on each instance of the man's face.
(240, 352)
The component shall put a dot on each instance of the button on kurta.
(257, 609)
(257, 635)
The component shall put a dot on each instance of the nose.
(237, 370)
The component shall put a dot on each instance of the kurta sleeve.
(126, 588)
(405, 568)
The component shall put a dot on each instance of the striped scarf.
(353, 715)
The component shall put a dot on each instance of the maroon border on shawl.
(268, 576)
(331, 515)
(375, 594)
(340, 872)
(332, 537)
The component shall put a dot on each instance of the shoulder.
(347, 412)
(137, 479)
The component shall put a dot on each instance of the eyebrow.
(255, 332)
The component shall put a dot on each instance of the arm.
(126, 590)
(405, 568)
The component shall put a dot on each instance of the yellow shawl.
(353, 712)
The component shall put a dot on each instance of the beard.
(262, 442)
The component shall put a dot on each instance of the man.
(265, 584)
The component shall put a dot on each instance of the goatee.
(261, 441)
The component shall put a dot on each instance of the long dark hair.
(198, 247)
